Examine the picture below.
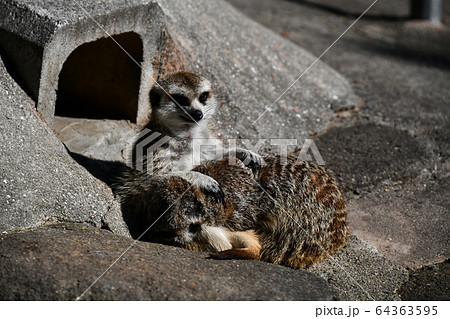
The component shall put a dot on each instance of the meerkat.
(182, 104)
(291, 214)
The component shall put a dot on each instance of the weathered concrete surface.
(38, 37)
(359, 272)
(39, 180)
(395, 9)
(391, 155)
(394, 201)
(407, 223)
(428, 283)
(100, 139)
(60, 262)
(251, 67)
(370, 154)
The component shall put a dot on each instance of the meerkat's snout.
(197, 115)
(196, 106)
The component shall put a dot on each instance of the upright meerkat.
(182, 105)
(291, 214)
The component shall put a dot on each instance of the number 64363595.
(406, 310)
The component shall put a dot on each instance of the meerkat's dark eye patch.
(203, 97)
(155, 97)
(194, 228)
(195, 208)
(181, 100)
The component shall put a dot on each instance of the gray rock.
(39, 180)
(100, 139)
(60, 262)
(428, 283)
(359, 272)
(365, 155)
(251, 67)
(407, 223)
(395, 9)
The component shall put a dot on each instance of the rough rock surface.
(39, 180)
(428, 283)
(407, 223)
(61, 261)
(359, 272)
(398, 9)
(95, 138)
(251, 66)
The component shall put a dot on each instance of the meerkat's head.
(177, 212)
(181, 101)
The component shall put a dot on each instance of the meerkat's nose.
(197, 115)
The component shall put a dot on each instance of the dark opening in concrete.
(100, 81)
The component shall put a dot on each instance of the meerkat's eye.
(180, 99)
(203, 97)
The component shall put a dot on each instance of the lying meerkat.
(291, 214)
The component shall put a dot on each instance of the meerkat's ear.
(155, 96)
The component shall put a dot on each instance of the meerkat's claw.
(255, 165)
(213, 189)
(207, 185)
(250, 159)
(216, 193)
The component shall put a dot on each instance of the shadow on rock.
(107, 171)
(110, 172)
(364, 155)
(428, 283)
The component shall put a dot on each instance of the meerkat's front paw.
(210, 187)
(250, 159)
